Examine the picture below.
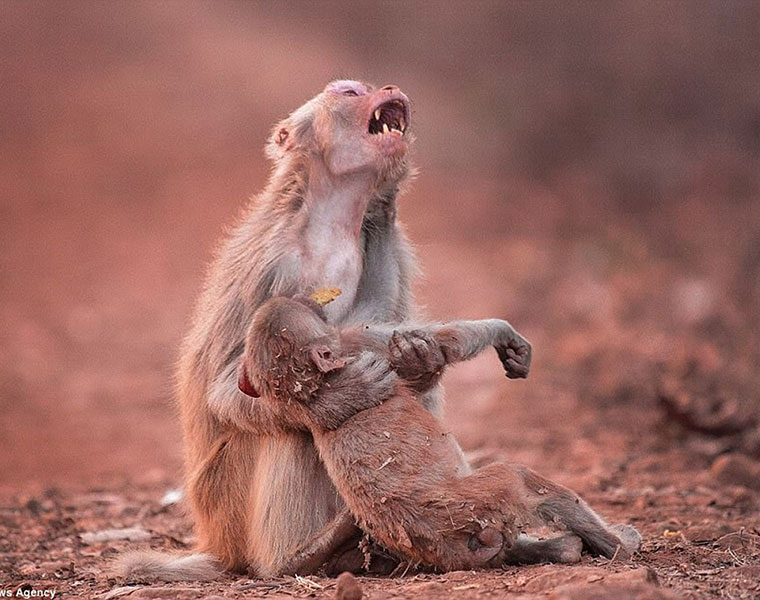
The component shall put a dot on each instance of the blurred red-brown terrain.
(590, 171)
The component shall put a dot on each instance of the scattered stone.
(28, 569)
(588, 578)
(348, 588)
(132, 534)
(607, 590)
(601, 584)
(171, 496)
(706, 532)
(737, 469)
(429, 587)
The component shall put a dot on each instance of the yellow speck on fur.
(325, 296)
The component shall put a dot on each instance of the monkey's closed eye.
(350, 93)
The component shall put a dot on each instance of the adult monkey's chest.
(333, 259)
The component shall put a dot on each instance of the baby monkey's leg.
(552, 503)
(535, 498)
(556, 504)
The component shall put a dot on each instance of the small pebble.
(348, 587)
(737, 469)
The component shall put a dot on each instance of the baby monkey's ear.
(244, 383)
(324, 358)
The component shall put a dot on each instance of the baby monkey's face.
(289, 347)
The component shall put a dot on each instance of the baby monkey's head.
(289, 348)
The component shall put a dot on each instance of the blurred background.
(588, 170)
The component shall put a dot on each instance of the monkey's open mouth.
(390, 117)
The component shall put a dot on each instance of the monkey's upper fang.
(391, 116)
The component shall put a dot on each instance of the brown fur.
(400, 473)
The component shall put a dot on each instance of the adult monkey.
(326, 218)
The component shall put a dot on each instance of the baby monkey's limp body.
(401, 475)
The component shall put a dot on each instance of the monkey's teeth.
(377, 115)
(385, 128)
(403, 124)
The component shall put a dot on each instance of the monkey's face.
(354, 127)
(289, 347)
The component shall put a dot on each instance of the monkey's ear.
(280, 141)
(245, 385)
(324, 358)
(294, 132)
(281, 136)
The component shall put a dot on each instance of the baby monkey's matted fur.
(401, 475)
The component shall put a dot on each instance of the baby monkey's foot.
(630, 538)
(417, 357)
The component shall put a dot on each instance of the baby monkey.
(401, 475)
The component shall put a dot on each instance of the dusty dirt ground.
(129, 143)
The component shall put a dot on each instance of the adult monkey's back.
(326, 218)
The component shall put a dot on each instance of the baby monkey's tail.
(159, 566)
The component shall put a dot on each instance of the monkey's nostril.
(390, 88)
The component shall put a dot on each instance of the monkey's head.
(289, 348)
(353, 127)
